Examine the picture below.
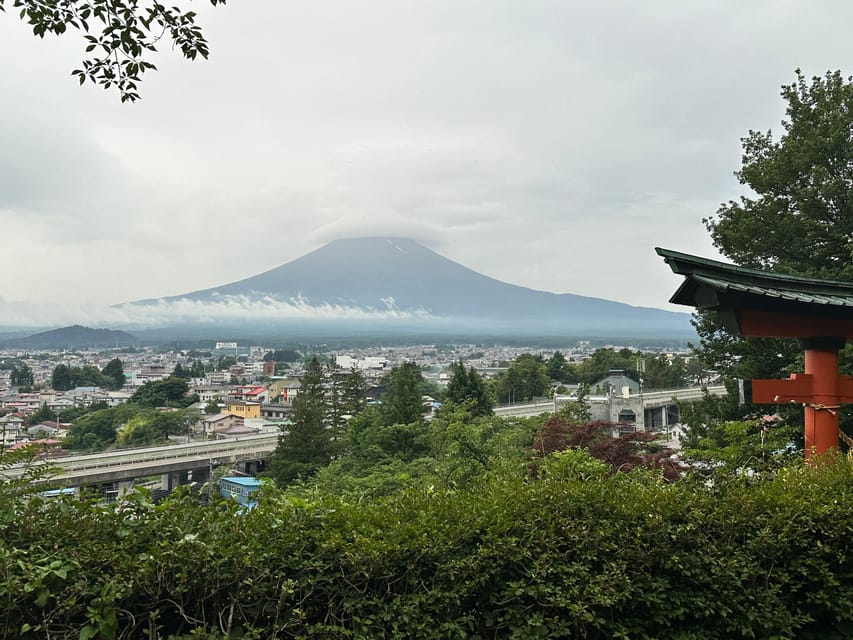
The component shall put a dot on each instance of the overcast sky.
(547, 144)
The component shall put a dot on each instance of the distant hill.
(397, 282)
(73, 337)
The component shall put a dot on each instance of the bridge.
(648, 411)
(172, 462)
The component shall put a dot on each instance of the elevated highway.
(128, 464)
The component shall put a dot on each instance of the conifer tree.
(304, 446)
(197, 369)
(21, 376)
(403, 402)
(457, 388)
(477, 392)
(335, 412)
(354, 392)
(467, 386)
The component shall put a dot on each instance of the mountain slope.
(393, 275)
(73, 337)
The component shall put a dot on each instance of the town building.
(243, 409)
(240, 488)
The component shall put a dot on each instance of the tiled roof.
(710, 284)
(782, 293)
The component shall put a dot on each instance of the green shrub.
(573, 553)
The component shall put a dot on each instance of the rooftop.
(759, 302)
(245, 481)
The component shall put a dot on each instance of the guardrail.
(687, 394)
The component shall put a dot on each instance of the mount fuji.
(398, 284)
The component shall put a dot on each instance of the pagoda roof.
(818, 307)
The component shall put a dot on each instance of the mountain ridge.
(391, 278)
(74, 336)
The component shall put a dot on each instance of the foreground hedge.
(572, 554)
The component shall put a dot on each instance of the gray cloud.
(548, 144)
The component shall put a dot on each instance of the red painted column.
(821, 413)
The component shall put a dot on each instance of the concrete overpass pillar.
(169, 481)
(125, 486)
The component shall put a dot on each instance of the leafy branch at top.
(119, 35)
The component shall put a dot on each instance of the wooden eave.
(763, 303)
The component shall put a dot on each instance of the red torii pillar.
(820, 389)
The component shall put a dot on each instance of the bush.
(575, 553)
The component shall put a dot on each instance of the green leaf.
(88, 632)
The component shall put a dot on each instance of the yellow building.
(243, 409)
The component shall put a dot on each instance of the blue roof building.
(241, 488)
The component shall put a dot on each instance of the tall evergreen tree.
(22, 376)
(403, 402)
(797, 218)
(457, 388)
(335, 411)
(477, 391)
(304, 446)
(212, 407)
(467, 386)
(354, 392)
(197, 369)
